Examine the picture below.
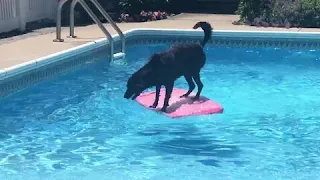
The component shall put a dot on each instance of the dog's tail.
(206, 27)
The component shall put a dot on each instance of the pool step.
(119, 55)
(119, 59)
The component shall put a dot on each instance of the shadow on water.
(188, 140)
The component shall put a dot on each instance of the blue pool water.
(79, 126)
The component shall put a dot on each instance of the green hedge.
(280, 13)
(116, 7)
(136, 6)
(81, 16)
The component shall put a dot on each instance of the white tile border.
(226, 33)
(20, 68)
(2, 73)
(60, 56)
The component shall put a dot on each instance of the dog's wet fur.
(164, 68)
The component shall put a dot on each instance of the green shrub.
(280, 13)
(81, 16)
(116, 8)
(136, 6)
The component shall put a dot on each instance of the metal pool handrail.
(58, 23)
(94, 18)
(105, 15)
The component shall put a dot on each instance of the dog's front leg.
(156, 100)
(169, 88)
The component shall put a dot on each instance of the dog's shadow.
(185, 100)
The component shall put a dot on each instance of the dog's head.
(135, 86)
(143, 78)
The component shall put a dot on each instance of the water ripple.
(79, 126)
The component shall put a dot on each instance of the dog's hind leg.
(156, 100)
(196, 78)
(169, 88)
(191, 85)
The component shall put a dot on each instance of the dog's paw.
(153, 106)
(184, 96)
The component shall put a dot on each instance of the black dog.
(165, 67)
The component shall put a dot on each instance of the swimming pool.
(77, 125)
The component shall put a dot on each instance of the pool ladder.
(120, 55)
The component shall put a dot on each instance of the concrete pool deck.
(20, 49)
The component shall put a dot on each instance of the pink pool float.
(181, 107)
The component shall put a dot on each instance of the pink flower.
(143, 13)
